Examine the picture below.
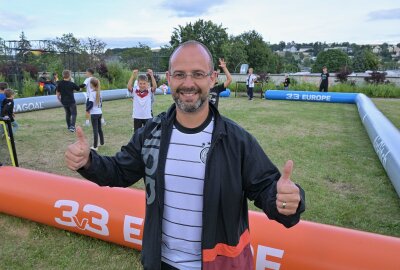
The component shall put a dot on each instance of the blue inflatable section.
(226, 93)
(384, 136)
(311, 96)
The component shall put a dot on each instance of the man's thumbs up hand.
(77, 154)
(288, 194)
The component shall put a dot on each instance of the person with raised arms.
(218, 88)
(199, 170)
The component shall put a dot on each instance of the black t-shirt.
(214, 93)
(66, 89)
(324, 78)
(7, 108)
(286, 82)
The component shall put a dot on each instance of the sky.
(125, 23)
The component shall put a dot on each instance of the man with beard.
(199, 169)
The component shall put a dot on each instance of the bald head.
(192, 43)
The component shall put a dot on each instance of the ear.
(168, 77)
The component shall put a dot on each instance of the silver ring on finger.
(283, 205)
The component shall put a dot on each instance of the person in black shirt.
(65, 94)
(286, 82)
(324, 81)
(7, 109)
(218, 88)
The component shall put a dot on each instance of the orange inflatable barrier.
(116, 215)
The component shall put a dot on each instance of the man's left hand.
(288, 194)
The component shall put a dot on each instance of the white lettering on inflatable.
(315, 97)
(29, 106)
(100, 222)
(69, 217)
(129, 232)
(291, 96)
(263, 263)
(381, 150)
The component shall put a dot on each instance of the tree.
(137, 57)
(207, 32)
(68, 43)
(365, 60)
(24, 47)
(259, 54)
(234, 52)
(334, 60)
(95, 49)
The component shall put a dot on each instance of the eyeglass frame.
(185, 75)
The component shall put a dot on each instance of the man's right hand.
(77, 154)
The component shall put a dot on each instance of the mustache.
(188, 90)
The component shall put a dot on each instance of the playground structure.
(14, 54)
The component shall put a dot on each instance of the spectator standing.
(324, 81)
(286, 82)
(250, 81)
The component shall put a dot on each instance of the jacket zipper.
(219, 136)
(162, 160)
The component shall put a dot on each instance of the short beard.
(189, 108)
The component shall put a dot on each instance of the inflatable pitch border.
(117, 215)
(384, 136)
(48, 102)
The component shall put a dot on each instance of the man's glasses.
(197, 75)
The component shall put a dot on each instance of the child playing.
(86, 84)
(94, 109)
(65, 94)
(3, 86)
(7, 109)
(141, 98)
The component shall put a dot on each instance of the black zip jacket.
(237, 169)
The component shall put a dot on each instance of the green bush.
(29, 88)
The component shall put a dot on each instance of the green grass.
(335, 163)
(390, 108)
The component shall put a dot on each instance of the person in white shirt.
(94, 106)
(251, 79)
(86, 84)
(141, 97)
(164, 88)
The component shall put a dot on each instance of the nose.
(188, 81)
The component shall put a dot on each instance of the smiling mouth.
(189, 93)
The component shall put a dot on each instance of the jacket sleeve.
(121, 170)
(260, 179)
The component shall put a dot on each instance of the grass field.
(335, 163)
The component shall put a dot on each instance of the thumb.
(80, 135)
(287, 171)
